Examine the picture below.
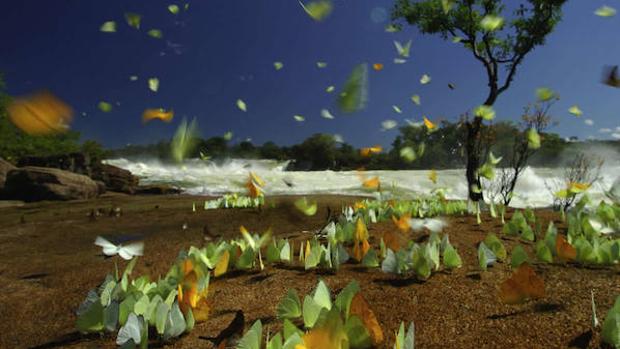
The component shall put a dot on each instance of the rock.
(157, 189)
(73, 162)
(115, 178)
(40, 183)
(5, 167)
(100, 187)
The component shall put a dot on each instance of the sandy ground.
(48, 263)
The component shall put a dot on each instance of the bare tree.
(535, 116)
(585, 170)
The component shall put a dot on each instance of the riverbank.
(48, 262)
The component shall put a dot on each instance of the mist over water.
(199, 177)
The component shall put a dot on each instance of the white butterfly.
(326, 114)
(131, 330)
(126, 252)
(399, 61)
(403, 51)
(413, 123)
(435, 225)
(600, 227)
(388, 124)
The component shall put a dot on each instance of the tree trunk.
(473, 150)
(473, 159)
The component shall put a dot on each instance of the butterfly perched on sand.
(610, 76)
(524, 284)
(126, 252)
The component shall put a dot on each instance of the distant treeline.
(443, 147)
(443, 150)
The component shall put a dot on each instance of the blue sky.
(228, 50)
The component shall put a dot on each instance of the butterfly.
(40, 114)
(371, 150)
(317, 10)
(161, 114)
(359, 307)
(432, 224)
(377, 66)
(402, 223)
(126, 252)
(564, 250)
(307, 208)
(524, 284)
(610, 76)
(403, 51)
(354, 94)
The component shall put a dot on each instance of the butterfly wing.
(109, 249)
(399, 47)
(131, 250)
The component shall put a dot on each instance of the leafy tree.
(318, 151)
(504, 46)
(270, 150)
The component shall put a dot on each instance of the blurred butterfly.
(40, 114)
(402, 223)
(524, 284)
(371, 150)
(307, 208)
(403, 51)
(326, 114)
(377, 66)
(359, 307)
(354, 94)
(429, 124)
(451, 86)
(317, 10)
(610, 76)
(161, 114)
(432, 224)
(204, 156)
(126, 252)
(564, 250)
(432, 176)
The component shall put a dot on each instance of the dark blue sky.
(228, 51)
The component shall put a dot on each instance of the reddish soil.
(48, 262)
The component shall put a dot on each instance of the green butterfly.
(354, 95)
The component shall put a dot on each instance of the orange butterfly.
(188, 294)
(429, 125)
(393, 241)
(360, 248)
(372, 183)
(365, 152)
(564, 250)
(524, 284)
(150, 114)
(377, 66)
(40, 114)
(361, 309)
(402, 223)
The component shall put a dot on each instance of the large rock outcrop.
(116, 178)
(39, 183)
(5, 167)
(73, 162)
